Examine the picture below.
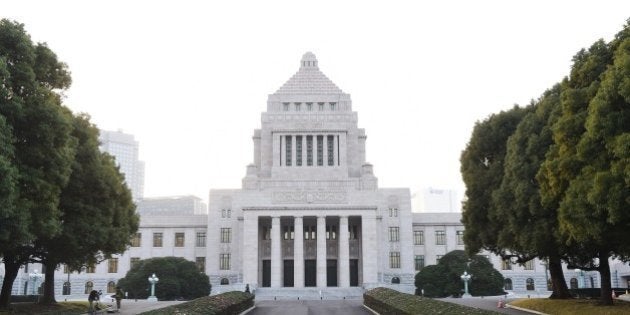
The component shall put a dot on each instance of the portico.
(308, 247)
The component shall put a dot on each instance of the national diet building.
(310, 212)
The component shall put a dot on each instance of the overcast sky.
(189, 79)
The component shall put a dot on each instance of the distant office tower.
(174, 205)
(125, 148)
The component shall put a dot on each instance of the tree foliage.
(61, 200)
(178, 278)
(444, 280)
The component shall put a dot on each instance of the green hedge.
(227, 303)
(388, 301)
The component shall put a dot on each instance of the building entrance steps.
(328, 293)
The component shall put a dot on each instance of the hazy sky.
(189, 79)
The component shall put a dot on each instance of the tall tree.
(583, 172)
(97, 211)
(482, 170)
(530, 230)
(43, 148)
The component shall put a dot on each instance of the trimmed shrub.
(228, 303)
(392, 302)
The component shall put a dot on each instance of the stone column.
(344, 253)
(298, 253)
(250, 249)
(276, 255)
(369, 249)
(321, 251)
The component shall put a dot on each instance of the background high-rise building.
(125, 149)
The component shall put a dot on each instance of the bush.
(388, 301)
(227, 303)
(179, 278)
(443, 279)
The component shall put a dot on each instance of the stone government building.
(309, 216)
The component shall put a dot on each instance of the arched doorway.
(395, 280)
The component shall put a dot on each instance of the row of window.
(200, 241)
(507, 265)
(440, 237)
(310, 232)
(288, 147)
(308, 106)
(530, 285)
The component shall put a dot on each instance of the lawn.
(61, 308)
(573, 307)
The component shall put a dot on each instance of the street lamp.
(153, 280)
(580, 274)
(34, 277)
(545, 263)
(466, 277)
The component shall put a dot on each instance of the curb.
(371, 310)
(247, 310)
(525, 309)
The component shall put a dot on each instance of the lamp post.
(580, 274)
(466, 277)
(34, 277)
(545, 263)
(153, 280)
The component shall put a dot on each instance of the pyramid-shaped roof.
(309, 80)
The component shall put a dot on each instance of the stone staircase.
(353, 293)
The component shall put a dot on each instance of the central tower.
(310, 213)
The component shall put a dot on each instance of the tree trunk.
(10, 273)
(604, 274)
(559, 285)
(49, 284)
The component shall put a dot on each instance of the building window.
(320, 150)
(298, 106)
(298, 150)
(419, 262)
(394, 234)
(529, 284)
(26, 268)
(309, 150)
(66, 269)
(226, 213)
(529, 265)
(437, 258)
(331, 232)
(226, 235)
(507, 284)
(201, 264)
(266, 233)
(288, 232)
(394, 259)
(66, 288)
(320, 106)
(112, 266)
(310, 232)
(440, 238)
(550, 285)
(353, 232)
(460, 237)
(573, 283)
(157, 239)
(201, 239)
(287, 149)
(136, 240)
(89, 286)
(333, 106)
(285, 107)
(179, 239)
(506, 264)
(225, 281)
(133, 261)
(395, 280)
(418, 237)
(224, 262)
(91, 268)
(309, 106)
(330, 144)
(393, 212)
(111, 287)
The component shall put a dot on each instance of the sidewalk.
(132, 307)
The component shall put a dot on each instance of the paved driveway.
(486, 303)
(311, 307)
